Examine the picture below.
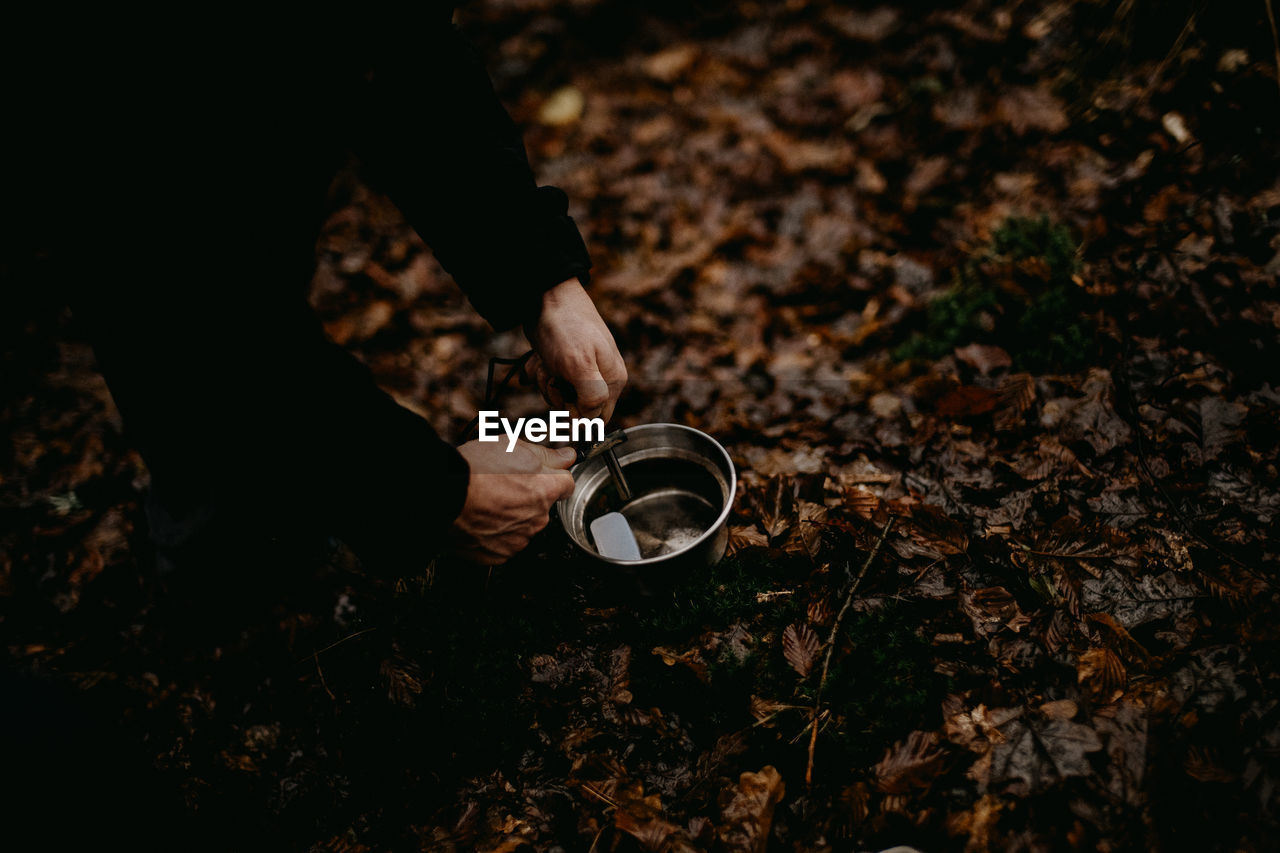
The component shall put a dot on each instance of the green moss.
(723, 594)
(1018, 293)
(882, 684)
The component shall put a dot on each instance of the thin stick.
(323, 683)
(831, 646)
(1275, 36)
(338, 643)
(1187, 29)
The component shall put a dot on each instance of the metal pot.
(682, 483)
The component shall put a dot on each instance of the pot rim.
(705, 535)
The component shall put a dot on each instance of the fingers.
(574, 344)
(544, 379)
(614, 371)
(593, 395)
(562, 486)
(560, 458)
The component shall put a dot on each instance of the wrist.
(552, 300)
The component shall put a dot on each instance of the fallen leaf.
(1026, 109)
(967, 401)
(984, 358)
(563, 107)
(1035, 755)
(1016, 395)
(748, 818)
(800, 646)
(668, 65)
(910, 764)
(1176, 126)
(992, 609)
(778, 510)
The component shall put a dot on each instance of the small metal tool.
(606, 448)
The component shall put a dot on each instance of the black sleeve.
(252, 422)
(434, 137)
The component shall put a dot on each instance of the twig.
(1187, 29)
(323, 683)
(1078, 555)
(337, 643)
(591, 790)
(831, 645)
(1275, 36)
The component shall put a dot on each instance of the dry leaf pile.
(996, 595)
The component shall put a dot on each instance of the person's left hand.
(571, 343)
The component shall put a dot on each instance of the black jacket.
(183, 180)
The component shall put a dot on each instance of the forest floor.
(983, 303)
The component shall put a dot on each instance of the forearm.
(465, 183)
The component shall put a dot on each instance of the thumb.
(560, 457)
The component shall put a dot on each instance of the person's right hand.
(508, 497)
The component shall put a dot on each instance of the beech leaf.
(800, 646)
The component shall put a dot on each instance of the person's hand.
(572, 344)
(508, 497)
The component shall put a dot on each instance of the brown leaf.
(978, 824)
(692, 659)
(812, 518)
(872, 26)
(1204, 764)
(1102, 672)
(983, 358)
(932, 529)
(749, 816)
(741, 537)
(762, 709)
(1035, 755)
(865, 504)
(1016, 395)
(800, 646)
(669, 65)
(1220, 425)
(802, 155)
(960, 109)
(926, 174)
(1025, 109)
(563, 107)
(1047, 458)
(105, 544)
(991, 609)
(777, 508)
(1060, 709)
(620, 676)
(819, 611)
(856, 799)
(861, 472)
(909, 764)
(404, 680)
(1123, 728)
(651, 831)
(1091, 418)
(1120, 639)
(967, 401)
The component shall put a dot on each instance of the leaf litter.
(946, 283)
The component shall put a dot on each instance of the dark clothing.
(184, 185)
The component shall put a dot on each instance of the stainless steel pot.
(682, 483)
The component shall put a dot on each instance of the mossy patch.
(882, 683)
(1020, 293)
(728, 592)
